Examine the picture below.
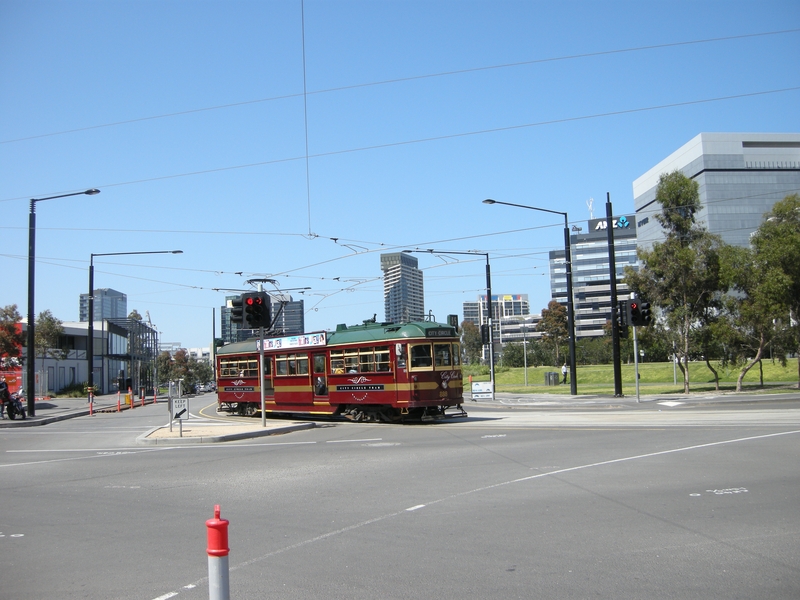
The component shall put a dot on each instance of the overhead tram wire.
(406, 79)
(438, 138)
(305, 112)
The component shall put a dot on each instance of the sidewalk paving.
(51, 410)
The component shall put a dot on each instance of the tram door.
(320, 376)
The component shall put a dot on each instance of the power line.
(446, 137)
(403, 80)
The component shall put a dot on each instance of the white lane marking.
(671, 403)
(56, 460)
(417, 507)
(344, 441)
(380, 518)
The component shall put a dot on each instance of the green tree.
(471, 342)
(594, 351)
(47, 333)
(777, 243)
(164, 367)
(682, 274)
(11, 336)
(759, 308)
(553, 326)
(513, 355)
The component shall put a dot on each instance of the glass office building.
(740, 177)
(591, 279)
(403, 294)
(108, 304)
(288, 318)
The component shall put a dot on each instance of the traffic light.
(644, 314)
(237, 311)
(622, 318)
(634, 316)
(484, 334)
(256, 309)
(639, 314)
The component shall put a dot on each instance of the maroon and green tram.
(389, 372)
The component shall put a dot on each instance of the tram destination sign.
(294, 341)
(437, 332)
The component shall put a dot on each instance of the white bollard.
(218, 580)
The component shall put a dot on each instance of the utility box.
(551, 378)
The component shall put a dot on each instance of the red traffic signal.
(256, 309)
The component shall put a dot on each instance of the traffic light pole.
(261, 376)
(636, 361)
(612, 280)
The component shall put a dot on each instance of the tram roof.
(368, 332)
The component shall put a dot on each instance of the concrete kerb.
(161, 436)
(101, 404)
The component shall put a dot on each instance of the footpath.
(189, 431)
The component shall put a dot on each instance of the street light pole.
(31, 351)
(488, 300)
(90, 328)
(573, 384)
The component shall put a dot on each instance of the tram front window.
(421, 356)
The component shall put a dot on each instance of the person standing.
(4, 395)
(564, 373)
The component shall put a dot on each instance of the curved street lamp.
(31, 354)
(90, 332)
(573, 384)
(488, 300)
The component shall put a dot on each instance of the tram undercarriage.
(369, 413)
(388, 414)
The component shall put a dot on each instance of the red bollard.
(91, 404)
(118, 407)
(155, 395)
(218, 581)
(130, 395)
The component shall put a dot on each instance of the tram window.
(351, 361)
(382, 358)
(441, 353)
(367, 360)
(319, 363)
(238, 367)
(337, 361)
(421, 356)
(291, 364)
(456, 355)
(281, 368)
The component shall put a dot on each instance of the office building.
(108, 304)
(511, 321)
(591, 281)
(503, 305)
(403, 294)
(288, 318)
(740, 177)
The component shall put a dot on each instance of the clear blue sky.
(192, 120)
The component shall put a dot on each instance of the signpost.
(179, 409)
(482, 390)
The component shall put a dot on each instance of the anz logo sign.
(620, 223)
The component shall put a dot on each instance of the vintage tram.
(388, 372)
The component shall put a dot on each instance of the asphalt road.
(694, 500)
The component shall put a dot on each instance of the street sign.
(180, 408)
(482, 390)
